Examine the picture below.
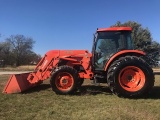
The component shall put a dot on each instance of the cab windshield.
(108, 43)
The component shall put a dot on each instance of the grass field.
(92, 103)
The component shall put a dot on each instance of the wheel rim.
(131, 78)
(64, 81)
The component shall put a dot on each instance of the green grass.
(92, 103)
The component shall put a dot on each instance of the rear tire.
(130, 76)
(64, 80)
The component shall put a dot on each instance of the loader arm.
(43, 69)
(21, 82)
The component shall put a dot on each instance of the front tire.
(130, 76)
(64, 80)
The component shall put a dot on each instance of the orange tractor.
(113, 61)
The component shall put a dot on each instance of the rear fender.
(123, 53)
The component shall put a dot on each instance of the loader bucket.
(17, 83)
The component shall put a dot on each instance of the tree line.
(17, 50)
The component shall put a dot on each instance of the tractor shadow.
(84, 90)
(94, 90)
(38, 88)
(155, 93)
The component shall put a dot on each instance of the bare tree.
(21, 48)
(5, 52)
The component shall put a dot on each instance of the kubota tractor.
(113, 61)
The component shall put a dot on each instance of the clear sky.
(70, 24)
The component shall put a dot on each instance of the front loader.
(113, 61)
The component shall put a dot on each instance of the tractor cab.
(109, 41)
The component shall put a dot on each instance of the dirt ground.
(12, 72)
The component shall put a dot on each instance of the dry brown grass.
(91, 103)
(20, 68)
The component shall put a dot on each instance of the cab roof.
(114, 29)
